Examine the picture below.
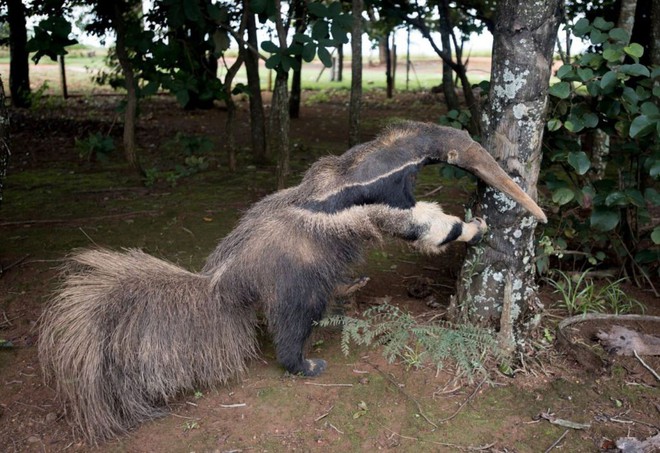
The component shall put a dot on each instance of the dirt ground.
(55, 201)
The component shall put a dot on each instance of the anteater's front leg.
(427, 226)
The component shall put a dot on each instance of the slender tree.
(445, 27)
(257, 115)
(299, 24)
(4, 140)
(279, 119)
(497, 285)
(355, 105)
(19, 69)
(120, 19)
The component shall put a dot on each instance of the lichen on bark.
(513, 124)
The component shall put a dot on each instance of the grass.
(83, 62)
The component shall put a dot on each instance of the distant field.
(82, 64)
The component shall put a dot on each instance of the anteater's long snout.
(478, 161)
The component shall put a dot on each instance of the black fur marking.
(395, 190)
(455, 233)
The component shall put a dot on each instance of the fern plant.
(402, 336)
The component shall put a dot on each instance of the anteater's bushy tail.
(128, 331)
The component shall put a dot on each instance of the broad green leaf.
(562, 196)
(309, 52)
(602, 24)
(612, 55)
(564, 70)
(334, 9)
(320, 29)
(608, 81)
(652, 196)
(650, 109)
(635, 197)
(554, 124)
(273, 61)
(654, 171)
(635, 69)
(641, 126)
(191, 10)
(561, 90)
(324, 56)
(270, 47)
(604, 219)
(619, 34)
(317, 9)
(220, 41)
(579, 161)
(581, 27)
(302, 38)
(590, 119)
(655, 236)
(573, 125)
(630, 95)
(634, 50)
(593, 88)
(616, 199)
(592, 60)
(183, 97)
(622, 128)
(585, 74)
(597, 37)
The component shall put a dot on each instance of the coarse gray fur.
(127, 332)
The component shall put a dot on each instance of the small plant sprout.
(579, 294)
(190, 425)
(198, 394)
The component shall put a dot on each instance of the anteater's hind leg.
(290, 322)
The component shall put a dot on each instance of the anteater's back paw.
(314, 367)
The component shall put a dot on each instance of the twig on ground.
(15, 263)
(124, 215)
(404, 393)
(564, 423)
(233, 405)
(645, 365)
(335, 428)
(555, 443)
(328, 385)
(464, 403)
(322, 416)
(441, 444)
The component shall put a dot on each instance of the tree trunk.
(4, 140)
(130, 113)
(447, 74)
(383, 49)
(65, 91)
(355, 105)
(296, 86)
(627, 16)
(19, 68)
(257, 116)
(388, 67)
(231, 112)
(340, 63)
(498, 274)
(655, 33)
(279, 127)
